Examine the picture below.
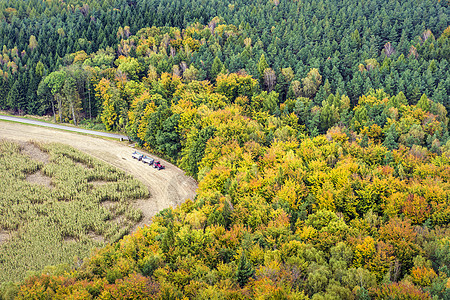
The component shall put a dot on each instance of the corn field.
(86, 204)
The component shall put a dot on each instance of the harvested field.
(168, 188)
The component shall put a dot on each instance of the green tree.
(262, 65)
(424, 103)
(390, 141)
(216, 68)
(195, 150)
(40, 69)
(167, 138)
(16, 99)
(55, 81)
(245, 270)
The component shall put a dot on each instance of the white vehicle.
(137, 155)
(147, 160)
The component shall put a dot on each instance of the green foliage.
(167, 138)
(216, 67)
(311, 149)
(196, 150)
(391, 138)
(244, 271)
(262, 65)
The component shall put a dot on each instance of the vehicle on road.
(147, 160)
(137, 155)
(158, 165)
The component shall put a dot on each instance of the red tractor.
(158, 165)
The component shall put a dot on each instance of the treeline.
(354, 46)
(155, 61)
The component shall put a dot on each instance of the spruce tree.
(216, 67)
(14, 100)
(262, 65)
(245, 270)
(390, 141)
(4, 90)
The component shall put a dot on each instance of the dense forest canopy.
(317, 130)
(402, 45)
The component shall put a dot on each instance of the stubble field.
(59, 203)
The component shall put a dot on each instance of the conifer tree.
(245, 270)
(391, 138)
(424, 103)
(15, 99)
(262, 65)
(216, 67)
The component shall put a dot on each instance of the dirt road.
(168, 187)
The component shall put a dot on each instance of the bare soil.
(99, 183)
(98, 238)
(34, 152)
(168, 188)
(4, 236)
(40, 178)
(108, 204)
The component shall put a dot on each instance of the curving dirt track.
(168, 188)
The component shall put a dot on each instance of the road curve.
(68, 128)
(168, 188)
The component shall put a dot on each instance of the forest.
(317, 131)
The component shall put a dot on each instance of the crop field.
(57, 204)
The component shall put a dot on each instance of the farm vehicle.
(158, 165)
(147, 160)
(137, 155)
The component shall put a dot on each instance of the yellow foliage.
(225, 270)
(188, 115)
(364, 252)
(394, 203)
(423, 276)
(292, 193)
(196, 218)
(307, 233)
(325, 197)
(256, 255)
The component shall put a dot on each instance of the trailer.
(137, 155)
(148, 160)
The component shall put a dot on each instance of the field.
(58, 203)
(168, 188)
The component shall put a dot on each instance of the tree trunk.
(59, 100)
(53, 109)
(89, 95)
(73, 111)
